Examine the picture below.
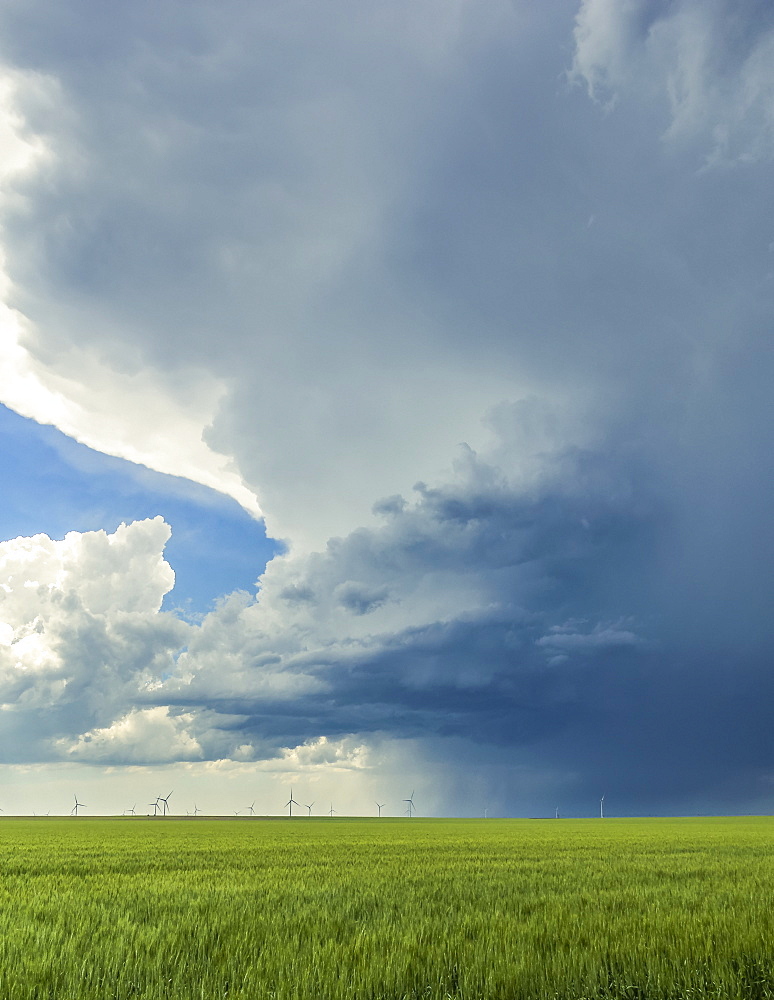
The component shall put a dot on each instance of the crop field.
(369, 909)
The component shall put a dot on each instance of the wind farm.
(273, 807)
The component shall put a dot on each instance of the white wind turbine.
(410, 809)
(155, 806)
(308, 807)
(602, 807)
(290, 803)
(331, 811)
(131, 812)
(251, 808)
(165, 809)
(78, 805)
(380, 806)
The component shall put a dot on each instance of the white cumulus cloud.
(80, 629)
(142, 736)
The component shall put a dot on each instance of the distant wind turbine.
(155, 806)
(165, 809)
(380, 806)
(331, 811)
(410, 810)
(78, 805)
(557, 812)
(308, 807)
(130, 812)
(291, 802)
(251, 808)
(602, 807)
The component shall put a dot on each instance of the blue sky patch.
(52, 484)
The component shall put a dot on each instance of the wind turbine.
(290, 803)
(130, 812)
(155, 806)
(251, 808)
(331, 811)
(165, 809)
(602, 807)
(78, 805)
(557, 812)
(410, 810)
(379, 806)
(308, 807)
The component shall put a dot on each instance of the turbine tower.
(410, 809)
(379, 806)
(290, 803)
(78, 805)
(602, 807)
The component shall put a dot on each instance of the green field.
(329, 908)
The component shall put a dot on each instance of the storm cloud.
(474, 308)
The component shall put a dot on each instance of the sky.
(386, 406)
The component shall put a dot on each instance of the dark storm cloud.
(564, 633)
(505, 590)
(380, 245)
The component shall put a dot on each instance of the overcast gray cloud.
(712, 63)
(476, 304)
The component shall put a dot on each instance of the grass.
(386, 909)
